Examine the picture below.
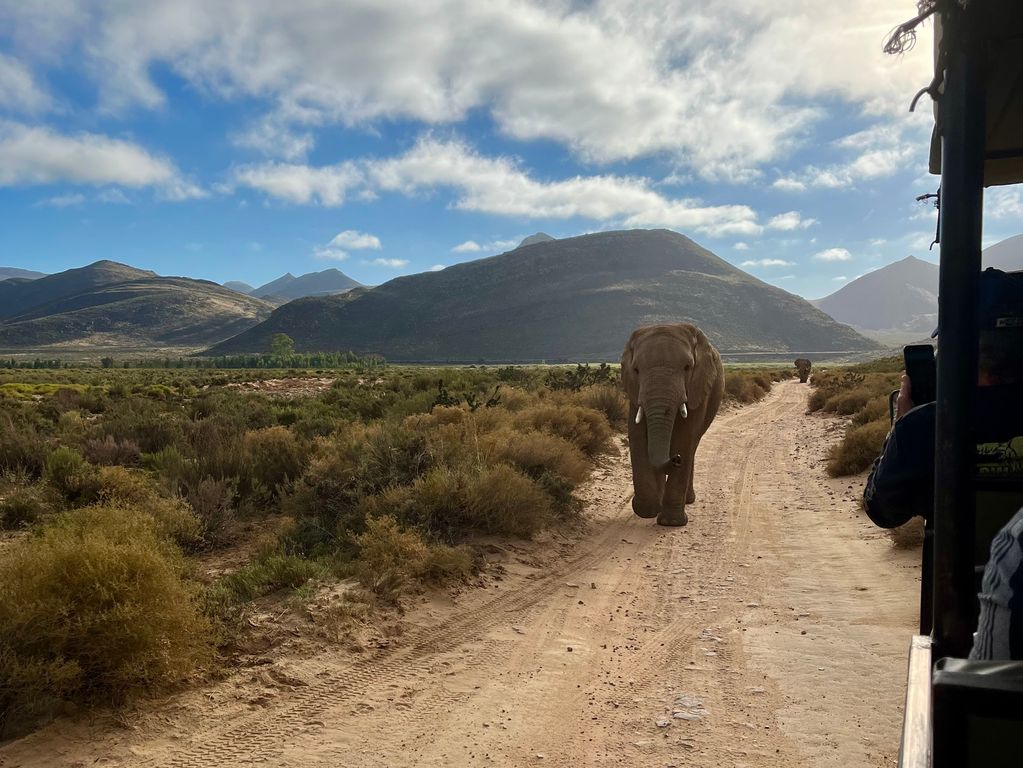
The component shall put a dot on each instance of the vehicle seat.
(978, 713)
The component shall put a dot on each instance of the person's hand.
(904, 404)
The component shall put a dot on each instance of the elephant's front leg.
(647, 483)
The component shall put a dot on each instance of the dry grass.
(908, 536)
(858, 449)
(96, 607)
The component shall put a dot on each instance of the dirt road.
(771, 631)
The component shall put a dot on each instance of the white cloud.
(768, 263)
(497, 186)
(354, 241)
(394, 263)
(833, 254)
(113, 195)
(493, 246)
(327, 186)
(1003, 203)
(330, 254)
(839, 279)
(35, 155)
(740, 246)
(18, 88)
(789, 185)
(275, 138)
(878, 241)
(882, 150)
(64, 201)
(786, 222)
(438, 267)
(721, 86)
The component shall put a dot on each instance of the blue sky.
(240, 139)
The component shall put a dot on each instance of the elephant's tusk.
(639, 414)
(684, 411)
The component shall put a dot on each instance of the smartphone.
(922, 372)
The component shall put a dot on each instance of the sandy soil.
(771, 631)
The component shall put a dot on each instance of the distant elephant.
(803, 368)
(674, 381)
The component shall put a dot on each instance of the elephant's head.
(803, 367)
(667, 371)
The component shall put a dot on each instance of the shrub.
(908, 536)
(502, 500)
(744, 387)
(392, 455)
(275, 456)
(271, 572)
(171, 467)
(107, 451)
(68, 473)
(22, 448)
(21, 506)
(875, 409)
(585, 428)
(132, 489)
(94, 609)
(212, 501)
(858, 449)
(536, 453)
(390, 559)
(607, 399)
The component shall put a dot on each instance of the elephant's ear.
(705, 368)
(628, 377)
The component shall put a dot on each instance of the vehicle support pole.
(963, 108)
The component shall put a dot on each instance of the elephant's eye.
(635, 369)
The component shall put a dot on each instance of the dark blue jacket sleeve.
(900, 484)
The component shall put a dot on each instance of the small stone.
(570, 649)
(663, 722)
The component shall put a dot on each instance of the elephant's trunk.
(670, 465)
(659, 423)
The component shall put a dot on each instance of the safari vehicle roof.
(1002, 40)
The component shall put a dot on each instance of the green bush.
(213, 501)
(858, 449)
(96, 608)
(536, 453)
(134, 490)
(108, 451)
(22, 448)
(608, 399)
(68, 473)
(21, 506)
(391, 559)
(587, 429)
(501, 500)
(275, 457)
(271, 572)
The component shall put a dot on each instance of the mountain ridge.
(574, 298)
(115, 304)
(288, 286)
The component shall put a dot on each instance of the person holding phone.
(900, 485)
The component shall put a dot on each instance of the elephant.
(674, 381)
(803, 368)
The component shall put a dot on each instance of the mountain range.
(8, 273)
(111, 305)
(287, 286)
(899, 302)
(571, 299)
